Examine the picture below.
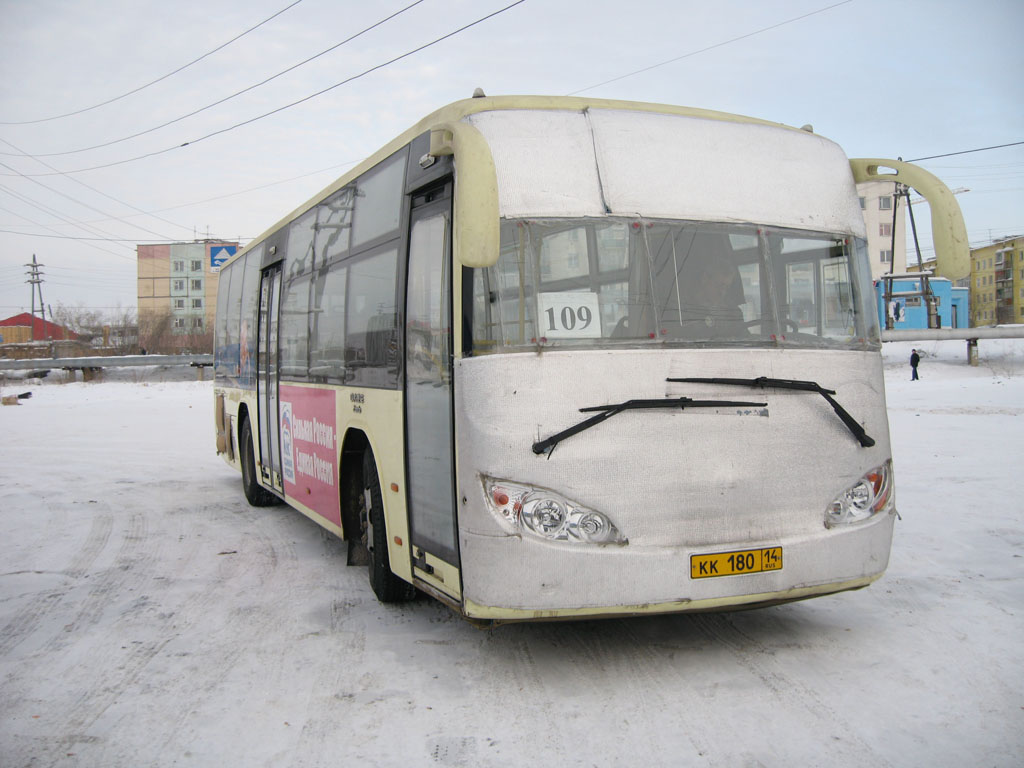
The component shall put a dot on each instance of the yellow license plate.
(733, 563)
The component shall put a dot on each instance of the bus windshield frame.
(595, 282)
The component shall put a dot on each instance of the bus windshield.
(597, 282)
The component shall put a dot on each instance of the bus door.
(428, 391)
(266, 376)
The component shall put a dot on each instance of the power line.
(56, 214)
(226, 98)
(82, 203)
(44, 226)
(346, 164)
(966, 151)
(103, 239)
(98, 192)
(292, 104)
(153, 82)
(709, 48)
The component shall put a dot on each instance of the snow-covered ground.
(150, 617)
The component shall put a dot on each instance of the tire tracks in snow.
(23, 624)
(755, 657)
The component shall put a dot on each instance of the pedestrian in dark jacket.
(914, 360)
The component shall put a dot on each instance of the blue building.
(909, 311)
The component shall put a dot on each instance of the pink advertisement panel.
(309, 449)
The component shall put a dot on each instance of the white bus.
(548, 357)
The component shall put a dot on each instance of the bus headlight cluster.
(870, 495)
(548, 515)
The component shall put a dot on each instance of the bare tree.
(156, 333)
(78, 319)
(124, 330)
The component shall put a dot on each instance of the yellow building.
(177, 294)
(997, 282)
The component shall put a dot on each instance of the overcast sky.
(904, 78)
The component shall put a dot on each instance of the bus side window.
(249, 321)
(378, 201)
(327, 335)
(293, 338)
(225, 346)
(334, 225)
(371, 322)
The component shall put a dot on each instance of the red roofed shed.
(36, 329)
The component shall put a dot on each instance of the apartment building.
(177, 293)
(883, 212)
(997, 282)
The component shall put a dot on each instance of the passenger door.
(428, 392)
(266, 376)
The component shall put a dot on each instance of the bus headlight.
(865, 498)
(548, 515)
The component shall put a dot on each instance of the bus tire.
(255, 494)
(388, 587)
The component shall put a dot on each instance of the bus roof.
(456, 111)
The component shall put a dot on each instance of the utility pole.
(35, 280)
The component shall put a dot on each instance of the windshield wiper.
(802, 386)
(607, 411)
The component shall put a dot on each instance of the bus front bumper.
(523, 579)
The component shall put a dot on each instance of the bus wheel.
(386, 585)
(256, 494)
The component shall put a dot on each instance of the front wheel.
(256, 494)
(386, 585)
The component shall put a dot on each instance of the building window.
(179, 322)
(197, 303)
(863, 203)
(197, 322)
(885, 256)
(885, 203)
(179, 266)
(885, 230)
(179, 285)
(197, 285)
(179, 303)
(197, 265)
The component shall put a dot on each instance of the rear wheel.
(256, 494)
(386, 585)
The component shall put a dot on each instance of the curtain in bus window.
(293, 334)
(379, 200)
(334, 224)
(371, 333)
(327, 339)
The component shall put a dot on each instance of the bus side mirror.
(476, 193)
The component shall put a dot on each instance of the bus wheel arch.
(255, 494)
(364, 521)
(350, 488)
